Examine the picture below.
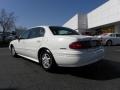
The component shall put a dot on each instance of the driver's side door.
(21, 43)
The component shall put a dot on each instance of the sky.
(31, 13)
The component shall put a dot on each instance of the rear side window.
(113, 35)
(36, 32)
(62, 31)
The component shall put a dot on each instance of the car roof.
(44, 26)
(38, 26)
(112, 33)
(109, 33)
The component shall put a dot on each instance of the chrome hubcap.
(46, 60)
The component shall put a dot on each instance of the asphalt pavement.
(22, 74)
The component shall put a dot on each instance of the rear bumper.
(77, 58)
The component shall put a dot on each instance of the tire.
(47, 61)
(109, 43)
(13, 52)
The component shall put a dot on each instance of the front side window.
(62, 31)
(113, 35)
(25, 35)
(36, 32)
(117, 35)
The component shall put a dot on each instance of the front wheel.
(47, 61)
(13, 52)
(109, 43)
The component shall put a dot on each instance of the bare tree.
(7, 21)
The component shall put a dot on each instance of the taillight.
(85, 44)
(76, 45)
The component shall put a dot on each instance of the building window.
(110, 29)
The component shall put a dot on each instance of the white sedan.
(53, 46)
(109, 38)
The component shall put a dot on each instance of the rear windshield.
(62, 31)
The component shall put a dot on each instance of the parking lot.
(22, 74)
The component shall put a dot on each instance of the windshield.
(105, 34)
(62, 31)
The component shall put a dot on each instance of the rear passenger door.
(34, 41)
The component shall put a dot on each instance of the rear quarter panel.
(57, 42)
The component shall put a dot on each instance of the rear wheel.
(13, 52)
(109, 43)
(47, 61)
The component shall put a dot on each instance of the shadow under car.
(102, 70)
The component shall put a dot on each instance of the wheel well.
(11, 46)
(40, 51)
(109, 40)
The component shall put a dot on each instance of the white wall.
(72, 23)
(107, 13)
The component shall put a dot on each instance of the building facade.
(104, 19)
(78, 22)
